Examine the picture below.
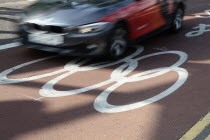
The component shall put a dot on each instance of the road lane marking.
(200, 131)
(200, 30)
(118, 77)
(5, 80)
(11, 45)
(204, 16)
(35, 99)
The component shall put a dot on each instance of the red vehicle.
(96, 27)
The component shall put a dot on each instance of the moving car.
(96, 27)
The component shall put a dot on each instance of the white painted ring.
(5, 80)
(103, 106)
(48, 90)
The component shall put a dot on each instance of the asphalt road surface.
(157, 92)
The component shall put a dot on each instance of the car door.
(148, 17)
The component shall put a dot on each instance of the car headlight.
(91, 28)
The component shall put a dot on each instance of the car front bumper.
(74, 44)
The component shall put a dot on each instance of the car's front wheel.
(178, 20)
(118, 42)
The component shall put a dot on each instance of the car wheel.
(178, 20)
(118, 42)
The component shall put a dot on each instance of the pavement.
(158, 91)
(8, 26)
(6, 1)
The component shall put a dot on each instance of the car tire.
(118, 42)
(177, 22)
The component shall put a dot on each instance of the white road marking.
(73, 67)
(118, 77)
(201, 29)
(35, 99)
(5, 80)
(11, 45)
(205, 16)
(103, 106)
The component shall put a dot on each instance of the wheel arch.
(182, 5)
(125, 24)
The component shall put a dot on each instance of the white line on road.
(11, 45)
(35, 99)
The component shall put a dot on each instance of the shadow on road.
(20, 117)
